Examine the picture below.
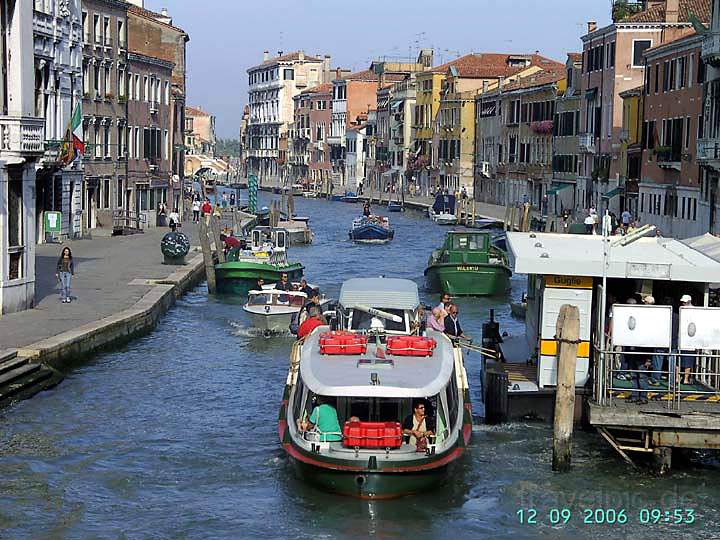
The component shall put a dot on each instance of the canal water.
(174, 436)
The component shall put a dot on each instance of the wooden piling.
(207, 256)
(567, 332)
(215, 227)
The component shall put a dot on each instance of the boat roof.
(276, 292)
(380, 293)
(469, 231)
(405, 377)
(655, 258)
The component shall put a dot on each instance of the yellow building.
(444, 126)
(631, 146)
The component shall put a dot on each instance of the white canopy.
(582, 255)
(406, 377)
(381, 293)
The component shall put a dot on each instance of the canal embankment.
(120, 290)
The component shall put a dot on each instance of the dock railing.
(656, 375)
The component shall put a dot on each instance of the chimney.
(279, 53)
(266, 56)
(301, 55)
(592, 26)
(672, 11)
(338, 73)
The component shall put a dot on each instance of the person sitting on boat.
(444, 301)
(418, 426)
(284, 283)
(452, 324)
(435, 320)
(366, 210)
(324, 421)
(305, 288)
(313, 300)
(313, 320)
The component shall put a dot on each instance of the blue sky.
(228, 36)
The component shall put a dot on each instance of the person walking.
(65, 269)
(174, 219)
(196, 210)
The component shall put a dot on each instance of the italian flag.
(74, 146)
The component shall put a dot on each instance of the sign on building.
(53, 222)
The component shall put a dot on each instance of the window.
(137, 87)
(639, 47)
(96, 28)
(108, 83)
(657, 77)
(288, 74)
(15, 222)
(121, 33)
(96, 81)
(119, 194)
(106, 141)
(687, 132)
(86, 79)
(121, 141)
(146, 88)
(167, 92)
(166, 144)
(106, 31)
(106, 193)
(96, 142)
(121, 82)
(86, 26)
(612, 55)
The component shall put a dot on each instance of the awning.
(610, 194)
(590, 93)
(553, 189)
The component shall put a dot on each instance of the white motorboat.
(272, 310)
(442, 218)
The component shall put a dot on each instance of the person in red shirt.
(206, 208)
(314, 320)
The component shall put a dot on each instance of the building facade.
(22, 144)
(104, 108)
(272, 86)
(319, 166)
(149, 145)
(355, 158)
(669, 187)
(708, 146)
(200, 136)
(613, 61)
(58, 47)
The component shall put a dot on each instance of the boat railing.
(619, 375)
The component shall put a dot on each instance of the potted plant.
(109, 95)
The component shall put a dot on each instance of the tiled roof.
(194, 111)
(575, 56)
(319, 89)
(538, 79)
(700, 8)
(684, 34)
(493, 65)
(291, 57)
(370, 75)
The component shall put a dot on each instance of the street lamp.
(607, 245)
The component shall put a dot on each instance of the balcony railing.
(711, 48)
(708, 150)
(586, 141)
(22, 135)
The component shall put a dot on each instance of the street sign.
(53, 222)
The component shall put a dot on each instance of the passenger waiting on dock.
(452, 324)
(435, 320)
(686, 362)
(323, 421)
(418, 426)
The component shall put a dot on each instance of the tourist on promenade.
(174, 219)
(206, 208)
(64, 271)
(452, 324)
(196, 210)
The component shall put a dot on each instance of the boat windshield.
(471, 242)
(363, 321)
(278, 298)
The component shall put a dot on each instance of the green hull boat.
(239, 277)
(468, 265)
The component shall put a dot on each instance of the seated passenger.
(305, 288)
(417, 427)
(435, 320)
(324, 421)
(283, 284)
(313, 320)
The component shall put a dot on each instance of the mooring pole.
(207, 256)
(567, 332)
(215, 227)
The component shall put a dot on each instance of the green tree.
(227, 147)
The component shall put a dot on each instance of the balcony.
(22, 135)
(586, 141)
(668, 158)
(624, 135)
(708, 153)
(711, 49)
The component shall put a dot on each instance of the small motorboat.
(442, 211)
(350, 197)
(395, 206)
(310, 194)
(369, 374)
(272, 310)
(371, 230)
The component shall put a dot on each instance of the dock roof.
(381, 293)
(664, 259)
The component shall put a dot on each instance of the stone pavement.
(104, 270)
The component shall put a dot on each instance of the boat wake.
(240, 330)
